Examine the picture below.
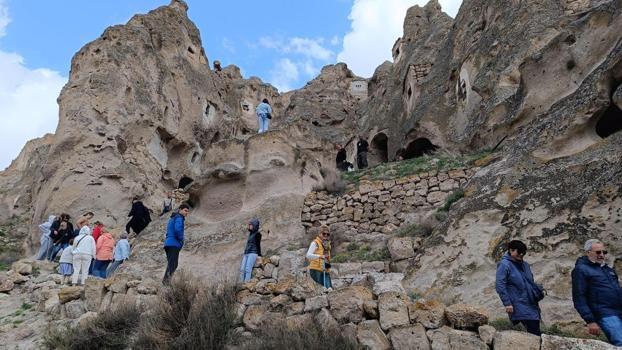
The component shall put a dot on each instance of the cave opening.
(418, 148)
(609, 122)
(184, 182)
(378, 150)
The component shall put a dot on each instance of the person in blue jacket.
(174, 240)
(596, 292)
(251, 251)
(264, 114)
(514, 284)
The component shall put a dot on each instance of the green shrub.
(451, 199)
(355, 252)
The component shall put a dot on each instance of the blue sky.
(283, 42)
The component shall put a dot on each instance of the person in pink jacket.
(105, 247)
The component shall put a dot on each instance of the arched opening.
(378, 150)
(610, 122)
(184, 182)
(418, 148)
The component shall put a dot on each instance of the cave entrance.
(418, 148)
(184, 182)
(610, 122)
(378, 150)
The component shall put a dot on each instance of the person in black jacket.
(140, 217)
(596, 293)
(362, 147)
(252, 250)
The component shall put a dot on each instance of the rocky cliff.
(537, 81)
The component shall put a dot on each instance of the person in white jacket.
(46, 240)
(83, 253)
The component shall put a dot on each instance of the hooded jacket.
(84, 244)
(596, 292)
(263, 109)
(253, 243)
(45, 227)
(514, 290)
(175, 231)
(105, 246)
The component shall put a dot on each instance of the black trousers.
(532, 326)
(361, 160)
(172, 257)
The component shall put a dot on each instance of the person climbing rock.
(103, 254)
(45, 240)
(168, 203)
(362, 147)
(516, 288)
(251, 251)
(140, 217)
(83, 253)
(174, 240)
(596, 292)
(264, 114)
(121, 253)
(318, 255)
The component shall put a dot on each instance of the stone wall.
(382, 206)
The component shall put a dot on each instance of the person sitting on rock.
(140, 217)
(516, 288)
(251, 251)
(121, 253)
(318, 255)
(264, 114)
(174, 240)
(103, 254)
(83, 252)
(60, 239)
(362, 147)
(45, 240)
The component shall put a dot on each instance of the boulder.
(299, 321)
(346, 270)
(248, 298)
(280, 301)
(401, 248)
(275, 259)
(508, 340)
(74, 309)
(22, 267)
(86, 318)
(6, 285)
(148, 287)
(17, 278)
(463, 316)
(371, 336)
(291, 263)
(349, 330)
(70, 293)
(117, 283)
(326, 320)
(371, 309)
(552, 342)
(430, 313)
(409, 338)
(295, 308)
(446, 338)
(346, 304)
(93, 293)
(253, 315)
(268, 269)
(316, 303)
(487, 333)
(52, 304)
(387, 282)
(393, 310)
(305, 288)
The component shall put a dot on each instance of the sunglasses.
(599, 252)
(326, 234)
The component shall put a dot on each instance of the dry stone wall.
(382, 206)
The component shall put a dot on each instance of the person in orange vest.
(319, 258)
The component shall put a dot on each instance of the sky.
(283, 42)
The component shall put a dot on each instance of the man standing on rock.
(264, 114)
(362, 147)
(174, 240)
(596, 292)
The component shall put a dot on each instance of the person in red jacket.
(97, 230)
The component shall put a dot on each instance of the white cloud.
(307, 47)
(376, 24)
(4, 18)
(335, 40)
(28, 106)
(284, 74)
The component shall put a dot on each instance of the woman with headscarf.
(318, 255)
(140, 217)
(252, 250)
(83, 253)
(45, 240)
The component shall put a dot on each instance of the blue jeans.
(113, 267)
(99, 270)
(263, 123)
(46, 242)
(55, 249)
(246, 269)
(322, 278)
(612, 327)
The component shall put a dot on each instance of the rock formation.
(538, 82)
